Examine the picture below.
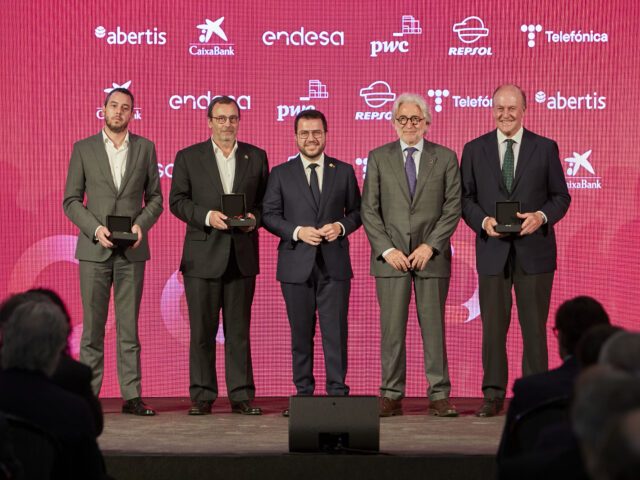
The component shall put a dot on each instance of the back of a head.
(619, 456)
(574, 317)
(33, 337)
(622, 352)
(590, 344)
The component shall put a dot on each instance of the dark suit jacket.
(66, 416)
(139, 196)
(196, 189)
(288, 203)
(539, 184)
(75, 377)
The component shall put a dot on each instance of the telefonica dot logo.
(119, 36)
(574, 36)
(212, 40)
(303, 38)
(560, 101)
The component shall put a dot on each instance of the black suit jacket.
(196, 189)
(288, 203)
(539, 184)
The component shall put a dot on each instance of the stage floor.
(174, 445)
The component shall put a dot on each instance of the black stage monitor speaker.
(334, 424)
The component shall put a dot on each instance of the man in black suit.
(219, 263)
(512, 164)
(313, 204)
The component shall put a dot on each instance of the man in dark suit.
(512, 164)
(410, 209)
(219, 263)
(117, 172)
(313, 204)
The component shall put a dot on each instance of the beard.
(309, 155)
(116, 128)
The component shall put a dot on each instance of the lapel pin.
(246, 157)
(332, 165)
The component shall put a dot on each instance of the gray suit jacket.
(139, 197)
(392, 220)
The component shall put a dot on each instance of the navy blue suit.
(314, 277)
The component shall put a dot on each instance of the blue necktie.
(410, 170)
(507, 165)
(314, 184)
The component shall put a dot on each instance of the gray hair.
(622, 352)
(33, 337)
(416, 100)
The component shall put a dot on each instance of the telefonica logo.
(201, 102)
(212, 41)
(579, 166)
(459, 101)
(558, 101)
(304, 38)
(574, 36)
(122, 37)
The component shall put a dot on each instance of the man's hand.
(102, 235)
(532, 222)
(310, 235)
(489, 227)
(331, 231)
(398, 260)
(137, 229)
(249, 228)
(216, 220)
(420, 256)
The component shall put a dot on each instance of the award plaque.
(120, 228)
(235, 208)
(508, 221)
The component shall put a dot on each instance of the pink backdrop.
(578, 62)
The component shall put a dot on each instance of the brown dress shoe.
(136, 406)
(442, 408)
(200, 407)
(490, 407)
(245, 408)
(390, 407)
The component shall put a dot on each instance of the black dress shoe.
(490, 407)
(245, 408)
(201, 407)
(136, 406)
(285, 413)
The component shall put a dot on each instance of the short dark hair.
(574, 317)
(513, 85)
(589, 346)
(310, 114)
(223, 100)
(126, 91)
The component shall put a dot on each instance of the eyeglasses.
(222, 119)
(304, 134)
(415, 121)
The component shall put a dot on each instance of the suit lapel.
(242, 164)
(132, 158)
(527, 148)
(210, 165)
(396, 159)
(427, 161)
(300, 179)
(103, 161)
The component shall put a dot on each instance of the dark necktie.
(410, 170)
(313, 183)
(508, 164)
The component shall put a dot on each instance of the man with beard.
(219, 263)
(116, 173)
(512, 164)
(313, 204)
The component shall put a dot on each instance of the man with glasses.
(410, 209)
(219, 263)
(313, 204)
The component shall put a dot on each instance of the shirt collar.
(516, 138)
(418, 146)
(106, 139)
(306, 162)
(218, 151)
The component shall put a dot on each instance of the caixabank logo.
(581, 174)
(562, 101)
(537, 34)
(121, 36)
(212, 40)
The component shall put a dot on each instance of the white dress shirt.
(227, 169)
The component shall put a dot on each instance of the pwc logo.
(212, 41)
(316, 91)
(409, 26)
(121, 37)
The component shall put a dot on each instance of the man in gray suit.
(116, 172)
(219, 263)
(410, 209)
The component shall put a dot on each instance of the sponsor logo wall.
(351, 61)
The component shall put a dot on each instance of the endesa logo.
(558, 101)
(574, 36)
(317, 91)
(122, 37)
(137, 111)
(580, 163)
(303, 38)
(201, 102)
(469, 31)
(207, 47)
(409, 26)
